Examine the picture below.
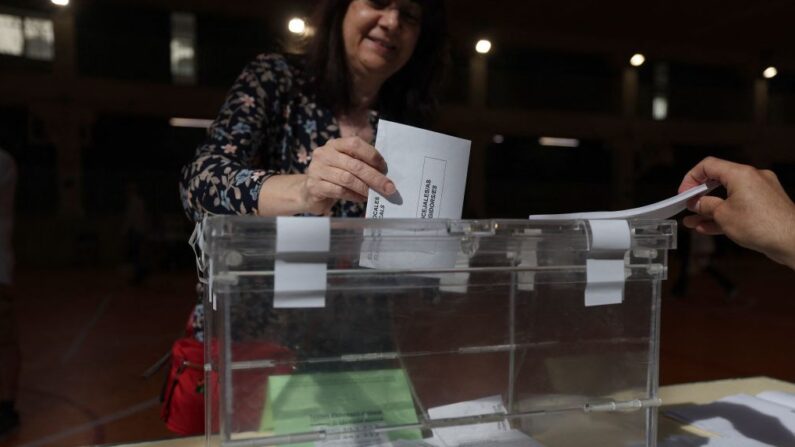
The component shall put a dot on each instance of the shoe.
(9, 422)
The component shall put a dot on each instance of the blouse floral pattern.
(269, 124)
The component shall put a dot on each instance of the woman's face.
(380, 35)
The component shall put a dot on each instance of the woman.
(295, 136)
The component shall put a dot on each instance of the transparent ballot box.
(366, 332)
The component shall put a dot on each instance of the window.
(30, 37)
(11, 40)
(183, 48)
(39, 39)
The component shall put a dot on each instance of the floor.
(86, 339)
(87, 336)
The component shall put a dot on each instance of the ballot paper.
(767, 419)
(661, 210)
(429, 170)
(486, 434)
(351, 407)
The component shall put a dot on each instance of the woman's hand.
(757, 213)
(343, 169)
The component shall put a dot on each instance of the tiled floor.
(88, 336)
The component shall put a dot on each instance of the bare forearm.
(281, 195)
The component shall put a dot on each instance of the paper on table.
(700, 441)
(429, 170)
(779, 397)
(752, 419)
(661, 210)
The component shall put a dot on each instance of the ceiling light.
(195, 123)
(637, 60)
(483, 46)
(559, 142)
(770, 72)
(296, 25)
(60, 2)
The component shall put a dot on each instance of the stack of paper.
(663, 209)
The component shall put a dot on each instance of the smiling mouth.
(382, 43)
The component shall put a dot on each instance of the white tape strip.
(529, 258)
(605, 282)
(609, 235)
(299, 284)
(303, 234)
(610, 239)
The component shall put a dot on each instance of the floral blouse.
(269, 125)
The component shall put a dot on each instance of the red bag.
(183, 396)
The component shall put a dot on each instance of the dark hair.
(408, 95)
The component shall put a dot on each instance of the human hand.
(757, 213)
(343, 169)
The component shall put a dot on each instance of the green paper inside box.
(346, 402)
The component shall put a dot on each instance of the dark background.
(95, 117)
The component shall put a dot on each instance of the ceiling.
(705, 30)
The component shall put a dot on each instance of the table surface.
(706, 392)
(695, 393)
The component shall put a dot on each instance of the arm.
(221, 179)
(757, 213)
(344, 168)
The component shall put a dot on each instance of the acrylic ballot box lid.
(359, 332)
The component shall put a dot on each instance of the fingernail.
(389, 188)
(698, 206)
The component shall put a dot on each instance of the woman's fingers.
(334, 191)
(320, 189)
(359, 149)
(345, 179)
(365, 172)
(345, 169)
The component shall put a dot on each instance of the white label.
(298, 284)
